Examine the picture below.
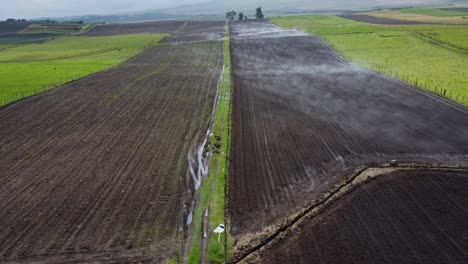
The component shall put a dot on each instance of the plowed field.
(96, 170)
(135, 28)
(199, 31)
(181, 32)
(404, 217)
(304, 118)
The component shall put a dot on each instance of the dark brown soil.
(135, 28)
(96, 170)
(199, 31)
(379, 20)
(304, 118)
(404, 217)
(181, 32)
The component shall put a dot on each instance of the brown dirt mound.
(96, 170)
(404, 217)
(380, 20)
(304, 118)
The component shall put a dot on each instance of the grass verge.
(212, 194)
(34, 68)
(436, 62)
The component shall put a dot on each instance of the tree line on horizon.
(231, 15)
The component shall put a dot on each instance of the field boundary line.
(400, 82)
(437, 43)
(361, 177)
(54, 86)
(210, 207)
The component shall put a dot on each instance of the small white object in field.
(220, 229)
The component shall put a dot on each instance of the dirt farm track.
(96, 170)
(304, 119)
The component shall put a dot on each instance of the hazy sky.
(59, 8)
(56, 8)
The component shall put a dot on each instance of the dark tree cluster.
(231, 15)
(259, 13)
(12, 19)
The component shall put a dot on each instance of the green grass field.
(433, 12)
(3, 47)
(32, 68)
(432, 56)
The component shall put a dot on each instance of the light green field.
(433, 12)
(33, 68)
(3, 47)
(400, 51)
(454, 36)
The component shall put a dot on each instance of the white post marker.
(220, 229)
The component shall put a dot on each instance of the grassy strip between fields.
(31, 69)
(212, 194)
(429, 62)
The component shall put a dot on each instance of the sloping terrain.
(181, 32)
(96, 170)
(416, 216)
(304, 118)
(197, 31)
(135, 28)
(12, 27)
(423, 18)
(380, 20)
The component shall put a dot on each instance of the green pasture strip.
(4, 47)
(220, 162)
(212, 194)
(453, 36)
(33, 68)
(433, 12)
(398, 51)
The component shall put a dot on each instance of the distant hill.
(215, 10)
